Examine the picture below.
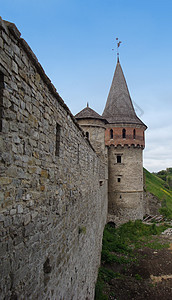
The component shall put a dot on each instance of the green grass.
(105, 276)
(158, 187)
(118, 247)
(156, 245)
(138, 277)
(124, 239)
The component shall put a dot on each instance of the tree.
(169, 180)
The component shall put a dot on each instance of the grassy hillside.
(166, 175)
(159, 188)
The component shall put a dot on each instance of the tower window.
(101, 182)
(1, 98)
(118, 159)
(119, 179)
(111, 134)
(58, 129)
(124, 133)
(87, 134)
(134, 134)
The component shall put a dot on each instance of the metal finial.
(87, 104)
(118, 44)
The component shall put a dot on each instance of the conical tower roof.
(88, 113)
(119, 107)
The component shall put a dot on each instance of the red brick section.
(129, 140)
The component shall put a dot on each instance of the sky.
(73, 41)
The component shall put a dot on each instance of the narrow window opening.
(58, 129)
(111, 134)
(119, 179)
(100, 182)
(134, 134)
(120, 197)
(47, 267)
(124, 133)
(118, 159)
(1, 98)
(87, 134)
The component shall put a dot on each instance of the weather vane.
(117, 48)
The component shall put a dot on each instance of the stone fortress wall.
(53, 197)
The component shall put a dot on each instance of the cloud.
(158, 151)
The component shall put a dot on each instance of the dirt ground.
(150, 278)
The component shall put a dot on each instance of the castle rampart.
(53, 199)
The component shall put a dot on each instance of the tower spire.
(119, 107)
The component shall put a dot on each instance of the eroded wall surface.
(53, 207)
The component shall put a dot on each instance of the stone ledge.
(3, 26)
(13, 29)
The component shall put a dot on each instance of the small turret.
(94, 127)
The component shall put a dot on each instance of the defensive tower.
(118, 135)
(94, 127)
(124, 138)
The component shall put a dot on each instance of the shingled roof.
(119, 107)
(88, 113)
